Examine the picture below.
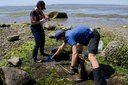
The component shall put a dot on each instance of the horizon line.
(70, 4)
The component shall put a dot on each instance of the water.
(90, 15)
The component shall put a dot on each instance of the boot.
(73, 70)
(99, 78)
(82, 71)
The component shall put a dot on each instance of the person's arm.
(60, 49)
(74, 55)
(45, 16)
(34, 21)
(41, 21)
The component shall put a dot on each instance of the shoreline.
(23, 30)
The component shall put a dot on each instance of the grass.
(21, 51)
(24, 53)
(106, 38)
(53, 79)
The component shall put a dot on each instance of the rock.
(51, 35)
(56, 14)
(13, 38)
(50, 27)
(97, 27)
(5, 25)
(63, 56)
(110, 49)
(14, 61)
(25, 25)
(14, 76)
(67, 28)
(125, 26)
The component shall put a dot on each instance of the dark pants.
(39, 36)
(93, 43)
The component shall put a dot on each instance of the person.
(85, 37)
(38, 18)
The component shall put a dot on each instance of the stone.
(14, 61)
(15, 76)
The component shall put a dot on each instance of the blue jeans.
(39, 36)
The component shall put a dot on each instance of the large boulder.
(110, 49)
(56, 14)
(14, 76)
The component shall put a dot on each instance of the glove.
(53, 56)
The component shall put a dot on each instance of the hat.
(58, 34)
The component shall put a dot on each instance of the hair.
(40, 4)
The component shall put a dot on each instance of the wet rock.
(13, 38)
(56, 14)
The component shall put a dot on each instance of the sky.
(48, 2)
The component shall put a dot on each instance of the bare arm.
(60, 49)
(43, 19)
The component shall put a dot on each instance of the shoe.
(38, 61)
(73, 70)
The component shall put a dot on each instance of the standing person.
(84, 36)
(37, 20)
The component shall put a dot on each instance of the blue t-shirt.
(78, 35)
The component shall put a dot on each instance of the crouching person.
(87, 37)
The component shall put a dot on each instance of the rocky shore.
(23, 31)
(13, 35)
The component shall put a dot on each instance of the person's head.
(60, 35)
(41, 5)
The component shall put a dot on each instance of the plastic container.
(100, 46)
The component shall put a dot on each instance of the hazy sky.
(33, 2)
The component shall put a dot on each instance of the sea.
(78, 14)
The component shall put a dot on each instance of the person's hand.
(42, 21)
(47, 18)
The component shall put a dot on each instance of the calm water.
(90, 15)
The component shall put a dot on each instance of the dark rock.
(56, 14)
(5, 25)
(62, 56)
(13, 38)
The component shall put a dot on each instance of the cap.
(41, 4)
(58, 34)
